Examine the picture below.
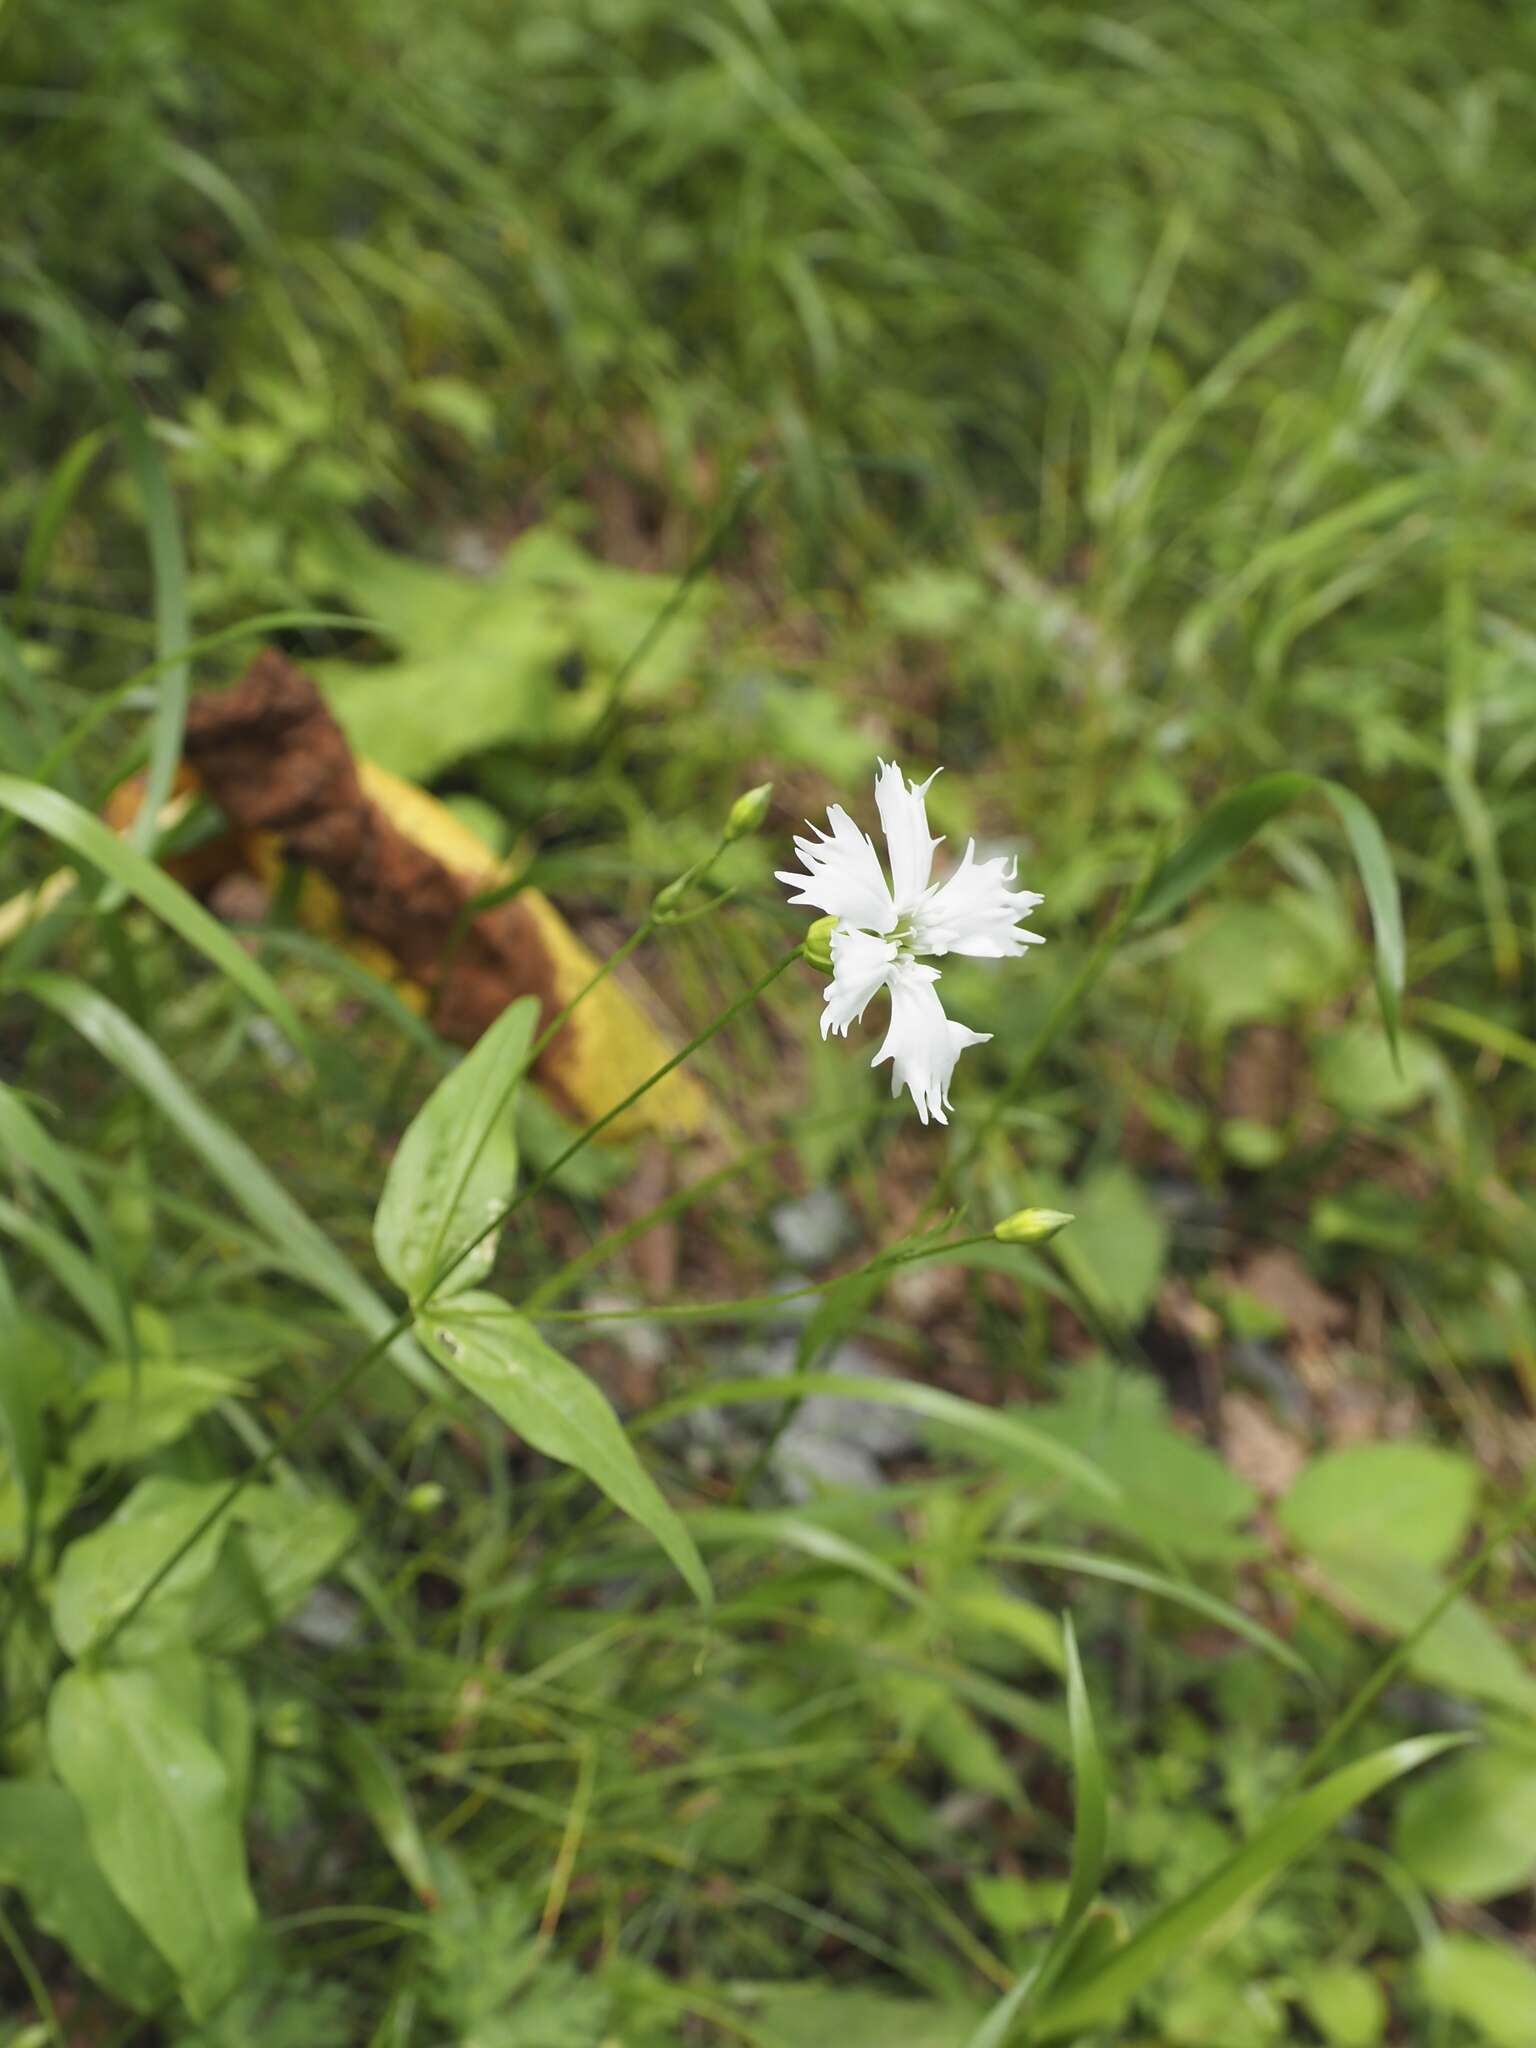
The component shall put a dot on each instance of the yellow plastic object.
(612, 1045)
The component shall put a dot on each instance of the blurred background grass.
(1112, 406)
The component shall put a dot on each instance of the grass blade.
(1090, 1846)
(1122, 1572)
(1234, 820)
(122, 863)
(1285, 1837)
(933, 1404)
(169, 569)
(303, 1248)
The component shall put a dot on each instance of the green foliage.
(1468, 1831)
(455, 1168)
(500, 1357)
(618, 408)
(1489, 1988)
(531, 653)
(162, 1818)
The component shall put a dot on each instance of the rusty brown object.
(275, 761)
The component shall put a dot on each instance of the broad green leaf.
(456, 1167)
(161, 1819)
(1232, 822)
(1169, 1491)
(101, 1575)
(279, 1545)
(1462, 1652)
(298, 1241)
(1357, 1074)
(1484, 1983)
(1402, 1499)
(500, 1356)
(1468, 1830)
(1256, 962)
(86, 836)
(1096, 1999)
(45, 1854)
(138, 1409)
(1346, 2005)
(528, 653)
(1117, 1245)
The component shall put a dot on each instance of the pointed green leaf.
(1084, 2002)
(102, 1575)
(86, 836)
(45, 1854)
(455, 1167)
(161, 1819)
(500, 1356)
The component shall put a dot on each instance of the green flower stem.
(615, 1241)
(748, 485)
(330, 1395)
(724, 1311)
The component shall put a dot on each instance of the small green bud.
(748, 812)
(426, 1498)
(1031, 1226)
(818, 943)
(671, 896)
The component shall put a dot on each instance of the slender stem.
(1390, 1665)
(677, 1311)
(741, 498)
(328, 1396)
(615, 1241)
(32, 1978)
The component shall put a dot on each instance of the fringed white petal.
(923, 1044)
(977, 912)
(862, 964)
(904, 816)
(842, 875)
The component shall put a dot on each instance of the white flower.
(885, 930)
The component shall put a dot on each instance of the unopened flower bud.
(426, 1498)
(668, 898)
(748, 812)
(1031, 1226)
(818, 943)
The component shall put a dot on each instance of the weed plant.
(617, 407)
